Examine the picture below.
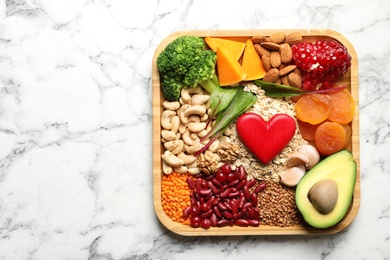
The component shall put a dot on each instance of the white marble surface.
(75, 127)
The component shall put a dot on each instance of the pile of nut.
(184, 124)
(276, 55)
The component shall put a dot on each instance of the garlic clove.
(297, 159)
(311, 153)
(291, 176)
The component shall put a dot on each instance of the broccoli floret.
(171, 86)
(186, 62)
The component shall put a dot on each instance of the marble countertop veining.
(75, 127)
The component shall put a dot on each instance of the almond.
(261, 51)
(285, 53)
(272, 75)
(287, 69)
(265, 59)
(275, 59)
(277, 38)
(293, 38)
(295, 80)
(270, 46)
(258, 39)
(285, 80)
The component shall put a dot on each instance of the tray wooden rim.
(157, 99)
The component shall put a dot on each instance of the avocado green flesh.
(340, 167)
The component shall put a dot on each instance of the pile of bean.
(223, 199)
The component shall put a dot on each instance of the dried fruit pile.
(219, 189)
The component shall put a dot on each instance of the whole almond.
(275, 59)
(258, 39)
(295, 80)
(293, 38)
(272, 75)
(284, 80)
(265, 59)
(287, 70)
(261, 51)
(277, 38)
(285, 53)
(270, 46)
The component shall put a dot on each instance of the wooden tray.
(350, 79)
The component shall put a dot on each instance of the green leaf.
(220, 99)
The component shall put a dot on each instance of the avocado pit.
(323, 195)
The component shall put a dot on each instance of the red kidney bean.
(260, 187)
(234, 207)
(198, 184)
(205, 223)
(204, 193)
(223, 188)
(217, 212)
(215, 201)
(253, 222)
(241, 201)
(227, 204)
(236, 173)
(194, 211)
(205, 206)
(227, 214)
(224, 194)
(242, 173)
(251, 214)
(209, 177)
(233, 183)
(186, 212)
(191, 183)
(242, 222)
(212, 187)
(195, 222)
(192, 198)
(216, 183)
(221, 178)
(214, 220)
(256, 213)
(251, 183)
(240, 185)
(254, 199)
(206, 214)
(234, 194)
(223, 223)
(247, 205)
(230, 177)
(221, 205)
(242, 213)
(246, 192)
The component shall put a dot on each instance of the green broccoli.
(186, 62)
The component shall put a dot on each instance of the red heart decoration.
(265, 139)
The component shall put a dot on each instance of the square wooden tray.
(350, 79)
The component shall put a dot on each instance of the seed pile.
(175, 196)
(277, 206)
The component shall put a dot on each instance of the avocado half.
(340, 167)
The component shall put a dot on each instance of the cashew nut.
(172, 159)
(185, 93)
(171, 145)
(193, 118)
(199, 99)
(166, 118)
(174, 105)
(196, 127)
(187, 159)
(178, 148)
(181, 169)
(180, 112)
(204, 118)
(193, 171)
(175, 121)
(167, 169)
(186, 137)
(195, 110)
(168, 135)
(191, 149)
(202, 133)
(214, 146)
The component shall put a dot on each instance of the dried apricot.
(313, 108)
(330, 137)
(342, 107)
(307, 130)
